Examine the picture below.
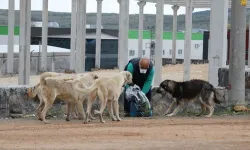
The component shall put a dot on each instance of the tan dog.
(62, 86)
(108, 89)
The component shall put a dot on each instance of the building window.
(170, 51)
(131, 52)
(163, 52)
(179, 51)
(143, 52)
(196, 46)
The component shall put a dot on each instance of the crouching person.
(142, 70)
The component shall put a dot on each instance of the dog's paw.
(169, 115)
(102, 121)
(114, 119)
(119, 119)
(208, 116)
(46, 122)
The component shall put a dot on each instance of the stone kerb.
(15, 103)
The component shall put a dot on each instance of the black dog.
(188, 91)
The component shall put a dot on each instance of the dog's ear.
(170, 85)
(96, 76)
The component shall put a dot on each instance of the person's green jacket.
(148, 82)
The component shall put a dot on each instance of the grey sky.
(109, 6)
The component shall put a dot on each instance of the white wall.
(4, 40)
(196, 52)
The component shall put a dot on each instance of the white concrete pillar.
(140, 32)
(81, 33)
(248, 41)
(123, 34)
(98, 34)
(237, 91)
(119, 38)
(158, 42)
(126, 30)
(73, 35)
(53, 62)
(24, 42)
(188, 39)
(175, 9)
(44, 35)
(11, 26)
(232, 34)
(218, 38)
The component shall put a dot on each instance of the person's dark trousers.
(127, 103)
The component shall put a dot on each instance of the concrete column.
(73, 35)
(44, 35)
(188, 39)
(11, 26)
(175, 9)
(232, 33)
(81, 33)
(126, 30)
(248, 41)
(237, 91)
(218, 38)
(98, 34)
(119, 37)
(140, 33)
(24, 42)
(123, 33)
(158, 41)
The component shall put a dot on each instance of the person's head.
(144, 64)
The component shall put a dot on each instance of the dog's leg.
(103, 99)
(70, 106)
(89, 106)
(176, 110)
(47, 105)
(116, 107)
(103, 105)
(91, 117)
(209, 105)
(211, 111)
(203, 110)
(81, 112)
(171, 107)
(75, 111)
(39, 110)
(110, 109)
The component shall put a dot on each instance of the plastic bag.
(135, 95)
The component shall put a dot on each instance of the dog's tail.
(45, 75)
(32, 91)
(86, 90)
(216, 100)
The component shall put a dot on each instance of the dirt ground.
(219, 132)
(174, 72)
(184, 133)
